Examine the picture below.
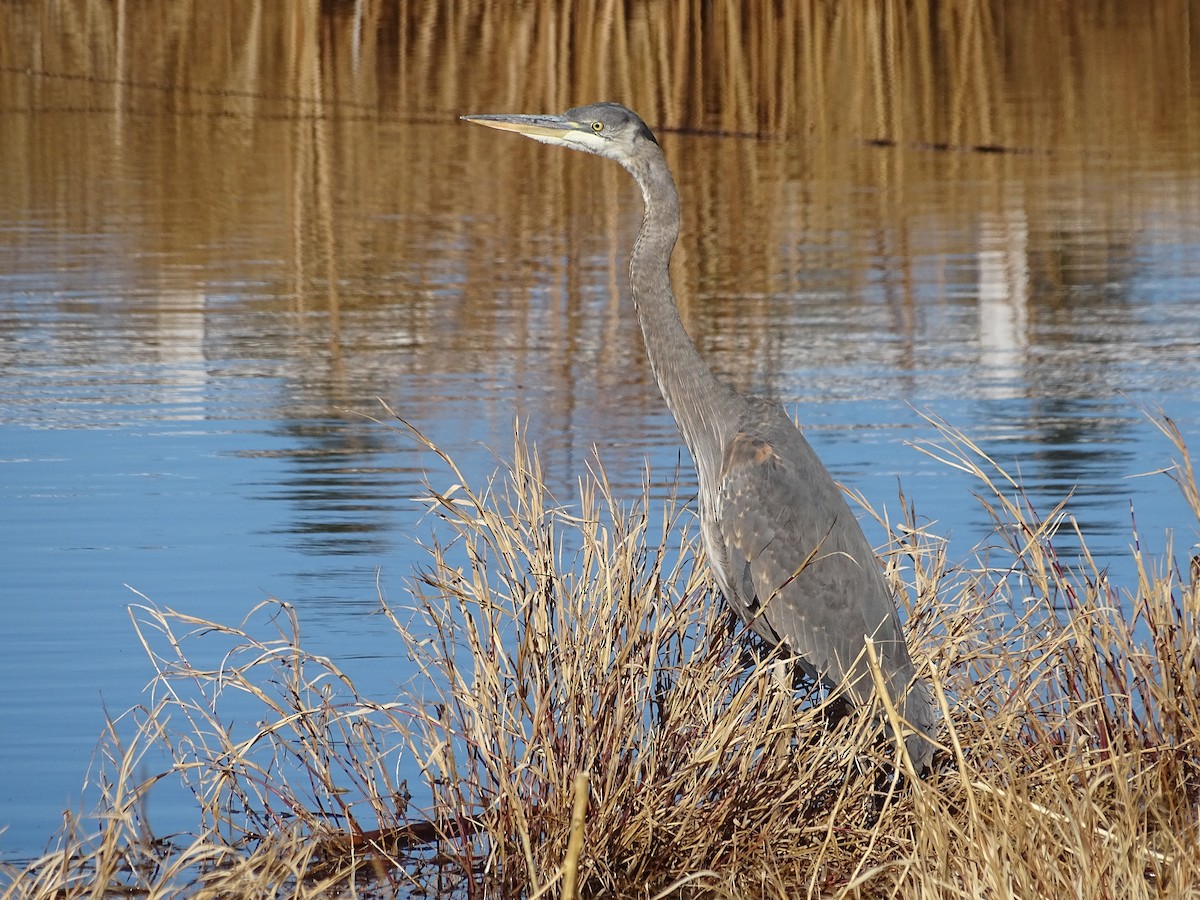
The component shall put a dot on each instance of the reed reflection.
(230, 227)
(878, 211)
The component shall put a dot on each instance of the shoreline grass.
(564, 650)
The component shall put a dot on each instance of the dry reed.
(589, 721)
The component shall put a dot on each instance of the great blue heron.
(784, 547)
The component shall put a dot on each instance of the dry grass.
(556, 644)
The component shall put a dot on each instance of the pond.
(229, 231)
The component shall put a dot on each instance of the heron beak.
(548, 129)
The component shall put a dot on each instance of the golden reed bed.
(556, 643)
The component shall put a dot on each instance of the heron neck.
(702, 405)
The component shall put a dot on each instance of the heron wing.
(799, 562)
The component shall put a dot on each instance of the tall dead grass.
(576, 669)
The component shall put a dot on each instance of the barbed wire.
(323, 108)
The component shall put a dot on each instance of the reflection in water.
(228, 229)
(1003, 300)
(345, 499)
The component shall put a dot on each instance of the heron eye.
(597, 126)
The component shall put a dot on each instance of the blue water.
(192, 432)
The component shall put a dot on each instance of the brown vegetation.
(556, 643)
(561, 642)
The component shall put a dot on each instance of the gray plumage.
(783, 544)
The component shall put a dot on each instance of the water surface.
(212, 266)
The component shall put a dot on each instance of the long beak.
(556, 128)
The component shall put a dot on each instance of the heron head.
(606, 129)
